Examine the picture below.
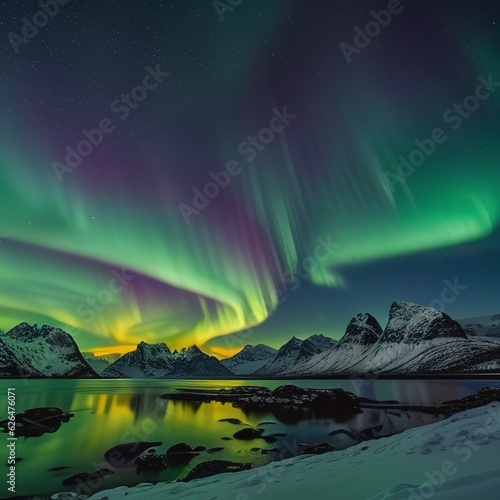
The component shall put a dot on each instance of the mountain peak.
(161, 347)
(410, 322)
(295, 351)
(363, 329)
(293, 342)
(315, 344)
(317, 336)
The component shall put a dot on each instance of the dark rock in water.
(180, 453)
(289, 391)
(217, 448)
(248, 434)
(181, 458)
(179, 448)
(291, 404)
(270, 439)
(207, 469)
(288, 403)
(84, 477)
(255, 449)
(55, 469)
(268, 423)
(151, 462)
(200, 448)
(123, 456)
(315, 448)
(225, 438)
(37, 421)
(234, 421)
(280, 434)
(364, 435)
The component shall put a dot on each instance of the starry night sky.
(316, 224)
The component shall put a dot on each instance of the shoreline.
(402, 466)
(300, 404)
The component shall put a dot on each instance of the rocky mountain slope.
(33, 351)
(295, 352)
(416, 340)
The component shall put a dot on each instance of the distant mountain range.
(250, 359)
(416, 340)
(484, 326)
(157, 361)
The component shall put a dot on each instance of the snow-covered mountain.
(33, 351)
(295, 352)
(363, 330)
(484, 326)
(157, 361)
(416, 340)
(412, 323)
(249, 359)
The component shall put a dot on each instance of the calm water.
(110, 412)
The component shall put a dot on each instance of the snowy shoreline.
(451, 459)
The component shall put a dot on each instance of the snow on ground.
(453, 459)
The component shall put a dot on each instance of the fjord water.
(110, 412)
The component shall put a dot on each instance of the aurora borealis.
(311, 231)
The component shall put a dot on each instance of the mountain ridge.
(158, 361)
(33, 351)
(416, 340)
